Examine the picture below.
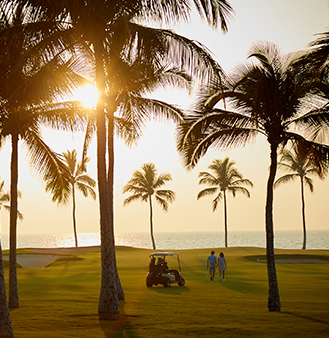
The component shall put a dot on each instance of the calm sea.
(177, 241)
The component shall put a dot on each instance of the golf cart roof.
(164, 254)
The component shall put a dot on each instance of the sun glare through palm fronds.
(87, 95)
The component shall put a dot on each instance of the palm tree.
(144, 184)
(267, 97)
(112, 28)
(31, 74)
(73, 179)
(223, 177)
(6, 329)
(299, 165)
(5, 199)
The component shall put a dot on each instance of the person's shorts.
(221, 268)
(212, 268)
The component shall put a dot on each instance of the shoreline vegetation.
(61, 299)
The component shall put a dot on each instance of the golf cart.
(159, 272)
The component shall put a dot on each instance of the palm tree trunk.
(151, 222)
(108, 306)
(225, 218)
(303, 213)
(6, 329)
(274, 303)
(74, 220)
(13, 289)
(110, 181)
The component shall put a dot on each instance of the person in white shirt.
(221, 266)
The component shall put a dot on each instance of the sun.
(87, 95)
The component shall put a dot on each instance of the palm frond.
(208, 191)
(309, 183)
(86, 190)
(162, 202)
(285, 179)
(135, 197)
(234, 190)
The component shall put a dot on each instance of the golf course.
(61, 298)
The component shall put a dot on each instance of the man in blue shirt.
(211, 264)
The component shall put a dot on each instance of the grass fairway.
(61, 300)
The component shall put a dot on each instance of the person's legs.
(212, 272)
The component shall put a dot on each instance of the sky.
(292, 24)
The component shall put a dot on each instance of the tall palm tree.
(299, 165)
(223, 177)
(75, 178)
(111, 28)
(32, 75)
(132, 108)
(267, 97)
(144, 184)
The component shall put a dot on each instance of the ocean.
(177, 241)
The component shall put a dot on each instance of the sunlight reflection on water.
(176, 241)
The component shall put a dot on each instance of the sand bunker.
(35, 260)
(46, 256)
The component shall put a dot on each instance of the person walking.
(222, 266)
(211, 265)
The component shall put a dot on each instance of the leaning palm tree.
(267, 97)
(111, 28)
(33, 73)
(144, 184)
(299, 165)
(224, 177)
(75, 178)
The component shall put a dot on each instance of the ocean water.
(177, 241)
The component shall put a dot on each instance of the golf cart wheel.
(182, 282)
(148, 283)
(166, 284)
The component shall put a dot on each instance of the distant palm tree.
(73, 178)
(224, 177)
(5, 199)
(267, 97)
(143, 185)
(300, 165)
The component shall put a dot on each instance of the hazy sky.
(292, 24)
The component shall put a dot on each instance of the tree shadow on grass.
(120, 328)
(235, 281)
(305, 317)
(171, 290)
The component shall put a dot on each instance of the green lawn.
(61, 300)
